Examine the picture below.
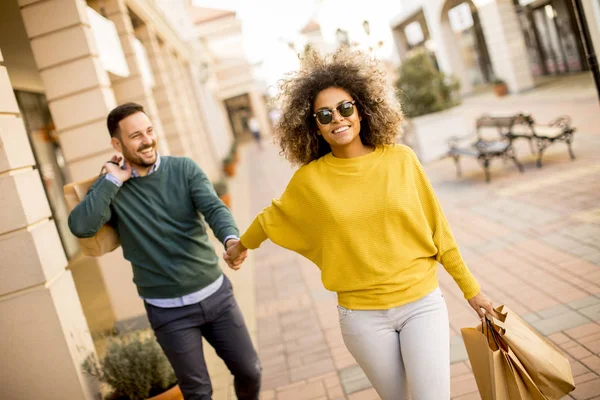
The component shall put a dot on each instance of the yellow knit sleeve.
(254, 235)
(291, 221)
(448, 254)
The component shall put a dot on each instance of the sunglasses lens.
(324, 117)
(346, 109)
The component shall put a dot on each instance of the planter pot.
(430, 133)
(226, 198)
(229, 169)
(172, 394)
(500, 89)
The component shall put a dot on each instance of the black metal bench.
(484, 149)
(558, 130)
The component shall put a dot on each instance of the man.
(154, 202)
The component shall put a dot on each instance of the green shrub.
(423, 89)
(134, 366)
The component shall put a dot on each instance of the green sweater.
(162, 233)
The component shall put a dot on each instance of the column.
(76, 86)
(446, 49)
(506, 44)
(214, 113)
(45, 337)
(181, 101)
(211, 164)
(80, 97)
(164, 94)
(134, 88)
(401, 42)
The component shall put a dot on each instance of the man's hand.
(482, 305)
(113, 168)
(236, 254)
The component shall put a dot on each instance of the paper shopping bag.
(498, 373)
(107, 238)
(545, 363)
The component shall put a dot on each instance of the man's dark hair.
(120, 113)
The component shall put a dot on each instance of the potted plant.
(500, 87)
(428, 98)
(230, 162)
(229, 165)
(222, 190)
(135, 368)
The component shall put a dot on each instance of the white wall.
(592, 12)
(216, 119)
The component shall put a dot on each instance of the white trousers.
(404, 351)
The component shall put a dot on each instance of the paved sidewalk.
(531, 239)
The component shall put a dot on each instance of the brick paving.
(531, 239)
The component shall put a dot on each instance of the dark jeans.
(218, 319)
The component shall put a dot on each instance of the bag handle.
(500, 324)
(104, 166)
(495, 335)
(80, 193)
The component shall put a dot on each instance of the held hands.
(482, 305)
(236, 254)
(113, 168)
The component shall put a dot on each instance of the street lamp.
(587, 43)
(342, 37)
(366, 27)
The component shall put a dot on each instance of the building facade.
(479, 41)
(233, 77)
(65, 64)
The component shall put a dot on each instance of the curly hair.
(352, 71)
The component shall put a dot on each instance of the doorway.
(468, 33)
(239, 111)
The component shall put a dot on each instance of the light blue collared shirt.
(188, 299)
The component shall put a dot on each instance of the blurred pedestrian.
(363, 210)
(255, 129)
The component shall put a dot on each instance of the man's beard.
(136, 159)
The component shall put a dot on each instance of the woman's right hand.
(482, 306)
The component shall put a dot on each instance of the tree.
(422, 89)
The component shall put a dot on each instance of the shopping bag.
(498, 372)
(107, 238)
(545, 363)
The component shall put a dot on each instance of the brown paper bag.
(498, 372)
(107, 239)
(545, 363)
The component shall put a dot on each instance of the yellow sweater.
(372, 224)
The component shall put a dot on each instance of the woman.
(363, 210)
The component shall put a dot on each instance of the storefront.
(462, 33)
(552, 36)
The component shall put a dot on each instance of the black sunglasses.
(325, 117)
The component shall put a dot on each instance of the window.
(49, 161)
